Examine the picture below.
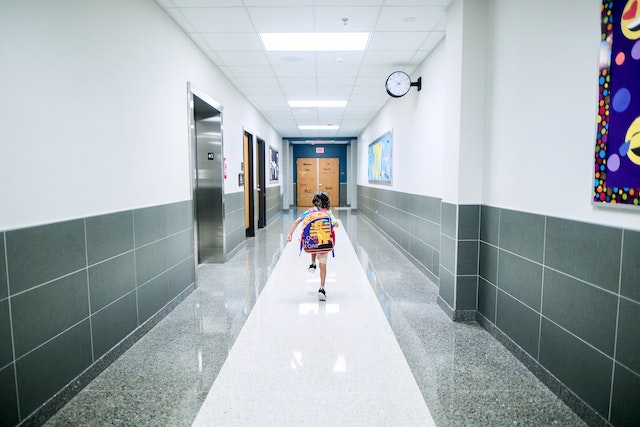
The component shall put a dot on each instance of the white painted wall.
(418, 140)
(94, 110)
(539, 121)
(543, 93)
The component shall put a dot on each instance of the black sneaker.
(312, 268)
(322, 296)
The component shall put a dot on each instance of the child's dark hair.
(321, 200)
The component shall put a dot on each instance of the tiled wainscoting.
(234, 222)
(567, 293)
(411, 221)
(562, 295)
(75, 294)
(274, 202)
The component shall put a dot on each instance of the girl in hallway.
(322, 203)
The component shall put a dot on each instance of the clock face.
(398, 84)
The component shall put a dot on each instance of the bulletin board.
(380, 159)
(617, 150)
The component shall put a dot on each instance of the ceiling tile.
(233, 42)
(256, 71)
(417, 2)
(218, 19)
(409, 18)
(243, 58)
(359, 19)
(290, 19)
(207, 3)
(292, 58)
(394, 40)
(227, 32)
(395, 58)
(295, 70)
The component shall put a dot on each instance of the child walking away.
(321, 204)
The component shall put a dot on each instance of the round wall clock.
(398, 84)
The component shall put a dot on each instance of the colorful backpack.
(317, 236)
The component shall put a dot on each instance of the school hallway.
(252, 345)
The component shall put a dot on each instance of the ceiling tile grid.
(403, 32)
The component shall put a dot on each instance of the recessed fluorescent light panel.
(314, 41)
(318, 127)
(318, 104)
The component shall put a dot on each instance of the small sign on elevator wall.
(210, 156)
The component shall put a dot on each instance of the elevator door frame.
(208, 215)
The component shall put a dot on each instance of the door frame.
(194, 91)
(249, 199)
(262, 182)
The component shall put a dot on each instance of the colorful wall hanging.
(379, 169)
(617, 151)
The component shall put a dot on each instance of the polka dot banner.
(617, 150)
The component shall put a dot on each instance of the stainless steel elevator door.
(209, 183)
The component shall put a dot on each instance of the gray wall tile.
(152, 296)
(466, 293)
(630, 286)
(421, 252)
(44, 312)
(410, 220)
(179, 216)
(235, 238)
(600, 267)
(154, 223)
(625, 405)
(628, 344)
(8, 398)
(109, 235)
(488, 263)
(519, 322)
(487, 299)
(46, 370)
(449, 220)
(4, 289)
(234, 202)
(180, 277)
(580, 367)
(6, 346)
(111, 279)
(447, 287)
(522, 233)
(114, 323)
(468, 222)
(40, 254)
(430, 206)
(467, 258)
(151, 260)
(584, 310)
(489, 224)
(447, 253)
(521, 278)
(180, 246)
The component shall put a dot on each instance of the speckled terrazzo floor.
(465, 376)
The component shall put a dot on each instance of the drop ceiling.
(403, 32)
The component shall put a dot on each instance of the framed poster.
(380, 157)
(617, 152)
(274, 165)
